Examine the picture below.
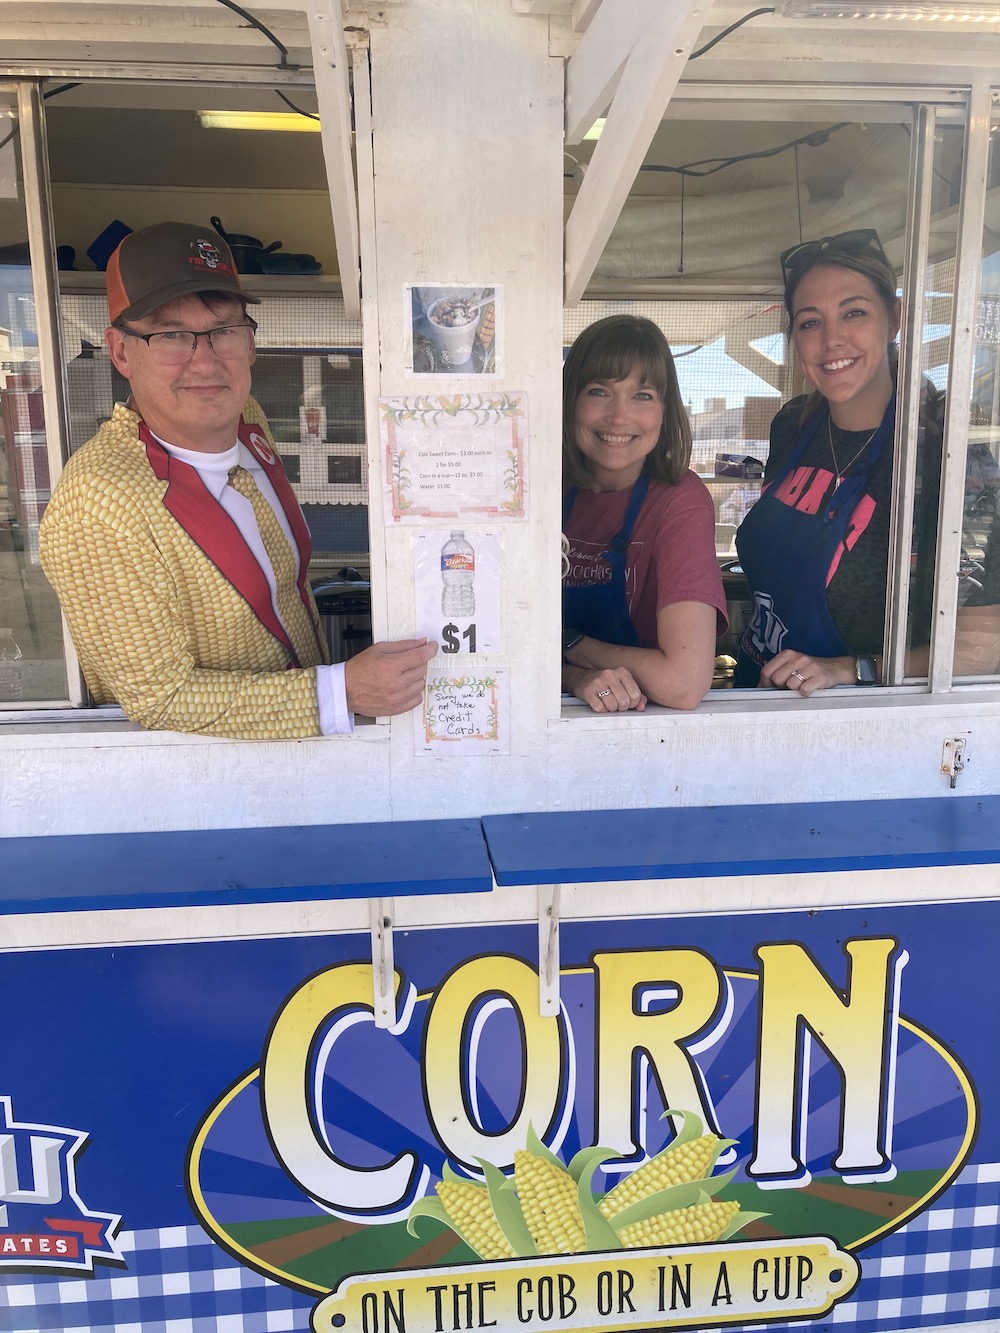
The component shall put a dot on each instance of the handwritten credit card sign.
(464, 712)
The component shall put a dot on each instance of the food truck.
(502, 1014)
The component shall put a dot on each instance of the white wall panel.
(467, 122)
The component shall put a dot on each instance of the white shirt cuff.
(331, 695)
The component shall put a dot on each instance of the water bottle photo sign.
(458, 573)
(457, 589)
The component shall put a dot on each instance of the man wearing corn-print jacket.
(173, 538)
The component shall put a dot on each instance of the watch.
(866, 670)
(570, 637)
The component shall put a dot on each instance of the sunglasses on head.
(863, 241)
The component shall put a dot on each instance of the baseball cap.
(159, 263)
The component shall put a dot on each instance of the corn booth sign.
(687, 1143)
(726, 1121)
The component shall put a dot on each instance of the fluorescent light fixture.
(918, 11)
(258, 120)
(595, 130)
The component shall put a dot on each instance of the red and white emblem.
(261, 448)
(209, 254)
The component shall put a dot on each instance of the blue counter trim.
(205, 868)
(91, 872)
(606, 845)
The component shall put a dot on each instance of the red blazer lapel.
(214, 532)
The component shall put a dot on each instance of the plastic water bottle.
(11, 671)
(458, 569)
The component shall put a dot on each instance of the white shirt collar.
(214, 468)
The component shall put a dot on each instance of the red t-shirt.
(671, 557)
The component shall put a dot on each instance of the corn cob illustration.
(550, 1204)
(469, 1209)
(699, 1224)
(549, 1208)
(674, 1166)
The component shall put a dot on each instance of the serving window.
(307, 374)
(696, 250)
(725, 187)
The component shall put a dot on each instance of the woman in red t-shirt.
(642, 593)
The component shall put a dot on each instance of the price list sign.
(454, 457)
(456, 579)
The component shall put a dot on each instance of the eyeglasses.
(863, 241)
(174, 347)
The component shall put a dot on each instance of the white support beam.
(583, 14)
(333, 97)
(653, 68)
(593, 71)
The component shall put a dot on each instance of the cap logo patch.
(207, 256)
(209, 253)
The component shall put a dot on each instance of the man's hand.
(388, 678)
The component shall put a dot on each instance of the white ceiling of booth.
(206, 32)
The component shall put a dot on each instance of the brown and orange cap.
(159, 263)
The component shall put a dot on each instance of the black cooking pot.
(284, 262)
(248, 251)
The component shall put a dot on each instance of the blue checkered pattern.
(177, 1281)
(942, 1268)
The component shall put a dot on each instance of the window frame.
(30, 111)
(26, 98)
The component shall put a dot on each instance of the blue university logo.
(44, 1224)
(766, 629)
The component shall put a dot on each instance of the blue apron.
(601, 612)
(786, 555)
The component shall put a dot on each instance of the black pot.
(247, 250)
(247, 258)
(288, 263)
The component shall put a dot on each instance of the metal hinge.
(953, 758)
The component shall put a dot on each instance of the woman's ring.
(602, 694)
(799, 674)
